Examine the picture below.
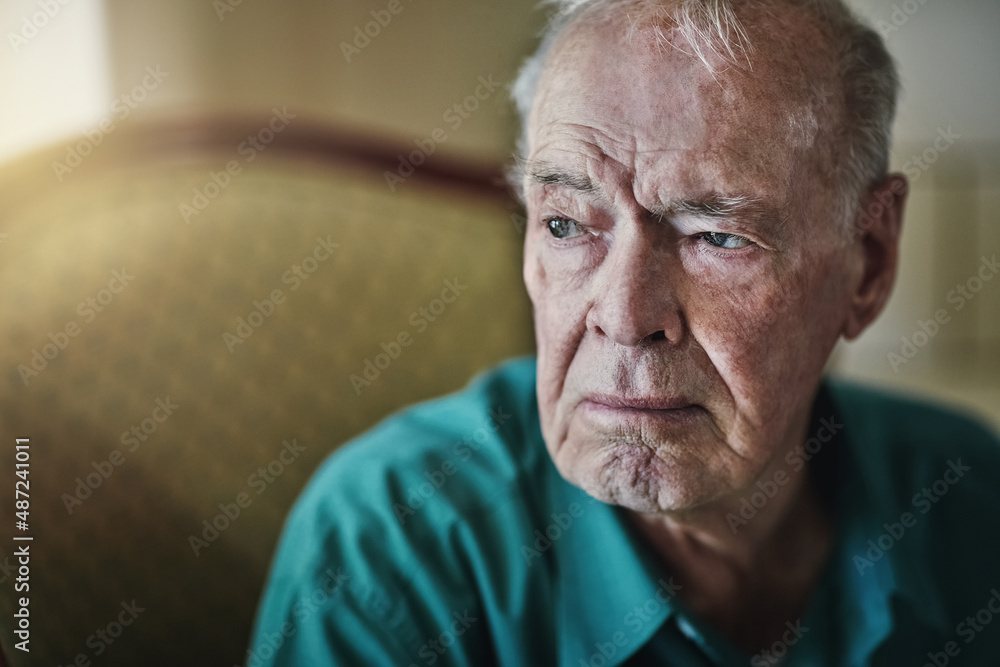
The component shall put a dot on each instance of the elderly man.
(673, 481)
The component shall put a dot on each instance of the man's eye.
(564, 228)
(727, 241)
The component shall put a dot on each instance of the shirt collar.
(613, 596)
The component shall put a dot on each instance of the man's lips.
(609, 412)
(645, 403)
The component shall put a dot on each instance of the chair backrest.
(187, 332)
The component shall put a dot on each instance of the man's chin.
(634, 477)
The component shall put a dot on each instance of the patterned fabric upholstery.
(196, 418)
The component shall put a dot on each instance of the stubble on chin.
(630, 471)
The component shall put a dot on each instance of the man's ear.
(875, 240)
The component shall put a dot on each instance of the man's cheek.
(560, 303)
(734, 318)
(745, 344)
(534, 275)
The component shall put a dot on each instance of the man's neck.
(747, 578)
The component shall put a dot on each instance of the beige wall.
(948, 54)
(268, 52)
(264, 53)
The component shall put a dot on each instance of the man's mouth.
(613, 411)
(645, 403)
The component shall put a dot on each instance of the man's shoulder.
(896, 425)
(919, 457)
(919, 502)
(400, 515)
(930, 473)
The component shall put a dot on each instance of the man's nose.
(635, 291)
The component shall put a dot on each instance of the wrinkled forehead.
(638, 93)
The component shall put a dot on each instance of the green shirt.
(445, 536)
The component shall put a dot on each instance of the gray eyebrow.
(720, 206)
(545, 174)
(715, 206)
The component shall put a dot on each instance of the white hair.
(712, 29)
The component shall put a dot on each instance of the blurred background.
(217, 218)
